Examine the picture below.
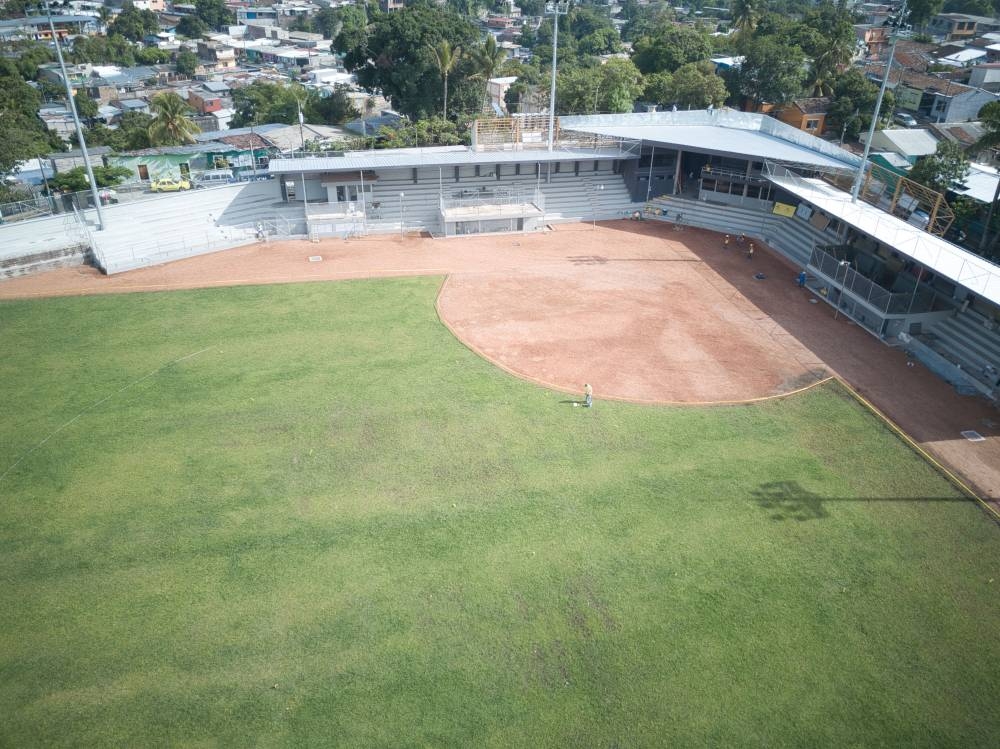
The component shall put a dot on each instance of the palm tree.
(745, 14)
(487, 59)
(447, 58)
(171, 126)
(989, 118)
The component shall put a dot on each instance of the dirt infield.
(640, 311)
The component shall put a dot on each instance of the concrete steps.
(966, 340)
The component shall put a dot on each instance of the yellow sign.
(783, 209)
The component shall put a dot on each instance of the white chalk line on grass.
(95, 405)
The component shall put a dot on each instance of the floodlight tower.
(76, 123)
(899, 30)
(555, 9)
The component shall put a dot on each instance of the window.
(812, 124)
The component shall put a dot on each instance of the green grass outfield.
(336, 526)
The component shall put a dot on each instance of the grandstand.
(878, 261)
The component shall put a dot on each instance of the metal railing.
(490, 198)
(921, 299)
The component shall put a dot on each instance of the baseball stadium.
(307, 460)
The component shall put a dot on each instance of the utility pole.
(76, 123)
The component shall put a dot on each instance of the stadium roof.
(396, 158)
(722, 132)
(939, 255)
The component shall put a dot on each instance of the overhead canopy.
(396, 158)
(719, 132)
(944, 258)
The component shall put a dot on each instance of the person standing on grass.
(588, 395)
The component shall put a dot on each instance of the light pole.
(555, 9)
(76, 123)
(600, 189)
(402, 214)
(860, 176)
(845, 264)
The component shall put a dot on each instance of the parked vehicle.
(906, 120)
(169, 184)
(213, 177)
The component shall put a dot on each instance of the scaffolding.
(900, 196)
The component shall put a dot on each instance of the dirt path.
(640, 311)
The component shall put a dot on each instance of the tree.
(611, 87)
(669, 47)
(192, 27)
(658, 88)
(22, 134)
(447, 58)
(770, 72)
(745, 15)
(433, 131)
(214, 13)
(921, 11)
(29, 55)
(827, 36)
(396, 58)
(853, 102)
(601, 42)
(334, 109)
(75, 180)
(487, 59)
(134, 24)
(186, 63)
(989, 118)
(696, 86)
(943, 170)
(171, 125)
(86, 108)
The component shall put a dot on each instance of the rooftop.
(937, 254)
(720, 132)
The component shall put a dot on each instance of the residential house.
(952, 26)
(261, 16)
(965, 134)
(133, 105)
(986, 76)
(910, 143)
(63, 161)
(805, 114)
(933, 96)
(178, 161)
(217, 56)
(36, 28)
(58, 119)
(872, 41)
(390, 6)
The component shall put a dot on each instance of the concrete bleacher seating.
(966, 340)
(792, 237)
(568, 197)
(189, 223)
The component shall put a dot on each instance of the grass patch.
(336, 525)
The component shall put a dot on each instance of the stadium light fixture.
(555, 9)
